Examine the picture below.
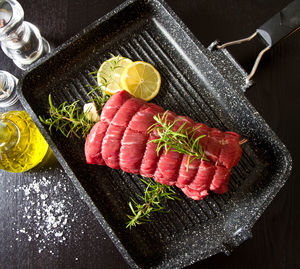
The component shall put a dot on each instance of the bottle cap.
(8, 94)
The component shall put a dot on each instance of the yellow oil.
(22, 146)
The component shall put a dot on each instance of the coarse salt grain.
(45, 215)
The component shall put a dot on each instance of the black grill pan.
(206, 85)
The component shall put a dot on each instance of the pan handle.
(280, 26)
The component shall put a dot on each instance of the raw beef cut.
(121, 140)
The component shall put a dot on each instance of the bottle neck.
(9, 135)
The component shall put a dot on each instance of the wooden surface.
(28, 241)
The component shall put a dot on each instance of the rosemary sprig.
(101, 100)
(152, 201)
(68, 119)
(182, 140)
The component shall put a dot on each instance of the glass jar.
(20, 40)
(22, 146)
(8, 92)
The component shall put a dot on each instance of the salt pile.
(46, 212)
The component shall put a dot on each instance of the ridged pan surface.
(203, 85)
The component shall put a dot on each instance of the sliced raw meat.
(143, 119)
(112, 141)
(127, 111)
(132, 150)
(150, 159)
(194, 194)
(231, 150)
(141, 122)
(214, 143)
(187, 175)
(204, 177)
(113, 105)
(111, 145)
(121, 140)
(93, 143)
(169, 163)
(201, 129)
(188, 122)
(220, 180)
(168, 167)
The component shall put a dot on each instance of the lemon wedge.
(109, 73)
(141, 79)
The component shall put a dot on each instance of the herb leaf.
(181, 141)
(68, 119)
(152, 201)
(101, 100)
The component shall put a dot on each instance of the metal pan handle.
(280, 26)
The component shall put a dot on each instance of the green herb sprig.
(182, 140)
(101, 100)
(68, 119)
(155, 195)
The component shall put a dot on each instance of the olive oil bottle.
(22, 146)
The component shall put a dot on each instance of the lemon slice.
(141, 79)
(109, 73)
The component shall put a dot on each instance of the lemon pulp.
(141, 79)
(109, 73)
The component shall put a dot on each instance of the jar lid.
(8, 94)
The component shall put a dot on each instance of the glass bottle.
(22, 146)
(20, 40)
(8, 93)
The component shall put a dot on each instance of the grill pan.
(204, 84)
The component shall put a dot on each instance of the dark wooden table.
(29, 217)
